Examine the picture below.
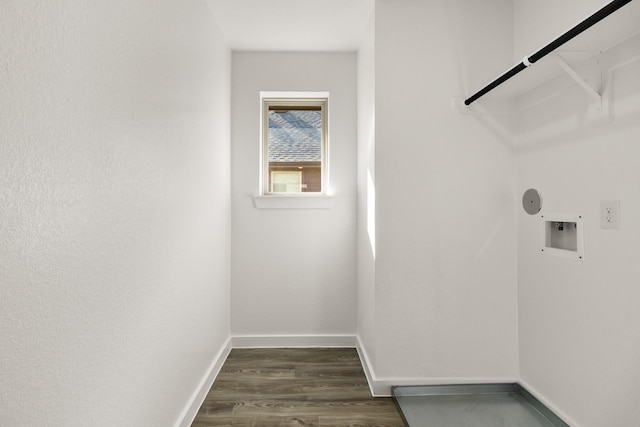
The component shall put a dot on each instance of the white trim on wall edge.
(381, 387)
(368, 368)
(546, 402)
(191, 409)
(283, 341)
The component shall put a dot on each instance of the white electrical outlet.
(610, 214)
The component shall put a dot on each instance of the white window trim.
(293, 202)
(317, 200)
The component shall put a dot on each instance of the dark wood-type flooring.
(323, 387)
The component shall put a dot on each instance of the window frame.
(314, 100)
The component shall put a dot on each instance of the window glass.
(295, 146)
(286, 181)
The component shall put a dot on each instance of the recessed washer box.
(563, 235)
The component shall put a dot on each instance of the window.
(286, 181)
(294, 146)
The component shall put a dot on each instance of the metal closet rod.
(573, 32)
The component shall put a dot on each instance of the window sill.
(293, 202)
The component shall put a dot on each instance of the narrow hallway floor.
(323, 387)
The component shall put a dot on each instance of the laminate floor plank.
(221, 422)
(358, 421)
(288, 407)
(294, 387)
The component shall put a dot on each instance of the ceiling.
(292, 25)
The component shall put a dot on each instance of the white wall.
(114, 209)
(293, 270)
(578, 320)
(445, 275)
(366, 189)
(528, 33)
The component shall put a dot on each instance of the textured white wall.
(578, 321)
(445, 258)
(293, 270)
(114, 209)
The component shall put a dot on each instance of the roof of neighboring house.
(294, 136)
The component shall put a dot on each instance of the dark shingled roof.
(294, 136)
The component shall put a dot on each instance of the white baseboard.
(191, 409)
(546, 402)
(367, 366)
(283, 341)
(381, 386)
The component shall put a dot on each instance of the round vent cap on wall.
(532, 201)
